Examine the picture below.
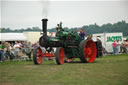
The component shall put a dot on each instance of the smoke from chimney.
(45, 5)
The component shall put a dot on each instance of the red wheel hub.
(61, 55)
(90, 51)
(39, 57)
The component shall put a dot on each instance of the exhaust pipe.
(44, 26)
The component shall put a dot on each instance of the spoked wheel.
(88, 51)
(59, 56)
(37, 58)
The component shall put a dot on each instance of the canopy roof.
(12, 37)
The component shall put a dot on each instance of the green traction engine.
(68, 46)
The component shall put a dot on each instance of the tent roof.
(12, 37)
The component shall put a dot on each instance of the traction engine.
(68, 46)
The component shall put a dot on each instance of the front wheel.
(37, 58)
(59, 56)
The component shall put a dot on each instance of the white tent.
(12, 37)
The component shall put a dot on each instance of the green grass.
(109, 70)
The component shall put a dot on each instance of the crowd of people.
(16, 50)
(119, 47)
(23, 49)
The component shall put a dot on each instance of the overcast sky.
(23, 14)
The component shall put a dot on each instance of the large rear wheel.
(88, 51)
(37, 58)
(59, 56)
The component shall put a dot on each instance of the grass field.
(109, 70)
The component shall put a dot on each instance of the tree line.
(120, 26)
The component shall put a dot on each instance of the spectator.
(17, 49)
(12, 51)
(122, 47)
(28, 49)
(20, 44)
(114, 45)
(36, 45)
(118, 46)
(99, 47)
(126, 45)
(44, 51)
(22, 47)
(2, 46)
(7, 51)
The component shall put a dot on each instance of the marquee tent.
(12, 37)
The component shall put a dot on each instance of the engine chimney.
(44, 26)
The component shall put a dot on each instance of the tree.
(120, 26)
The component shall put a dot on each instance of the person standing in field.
(114, 45)
(123, 47)
(28, 49)
(17, 49)
(118, 46)
(2, 47)
(99, 47)
(126, 45)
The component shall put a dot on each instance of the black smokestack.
(44, 26)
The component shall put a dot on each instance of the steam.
(45, 5)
